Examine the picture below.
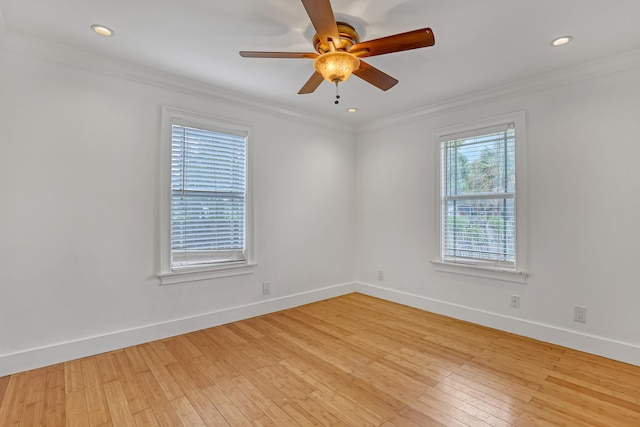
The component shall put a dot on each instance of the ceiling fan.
(338, 50)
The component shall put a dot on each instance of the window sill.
(192, 274)
(494, 273)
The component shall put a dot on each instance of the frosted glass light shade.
(336, 67)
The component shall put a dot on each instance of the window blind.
(478, 196)
(208, 188)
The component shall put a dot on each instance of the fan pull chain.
(337, 94)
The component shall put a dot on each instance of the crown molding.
(21, 43)
(608, 65)
(13, 41)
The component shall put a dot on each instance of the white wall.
(584, 185)
(79, 158)
(79, 200)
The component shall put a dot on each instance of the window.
(205, 224)
(481, 220)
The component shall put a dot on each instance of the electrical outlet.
(381, 275)
(515, 301)
(266, 287)
(580, 313)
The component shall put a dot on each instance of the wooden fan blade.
(396, 43)
(374, 76)
(321, 16)
(253, 54)
(311, 84)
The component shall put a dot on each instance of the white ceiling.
(480, 44)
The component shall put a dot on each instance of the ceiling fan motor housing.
(348, 37)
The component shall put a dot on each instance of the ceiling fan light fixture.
(336, 67)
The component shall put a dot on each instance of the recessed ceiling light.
(351, 110)
(561, 41)
(102, 30)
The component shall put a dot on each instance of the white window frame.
(519, 272)
(167, 275)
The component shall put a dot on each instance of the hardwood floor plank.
(206, 410)
(146, 418)
(268, 402)
(73, 377)
(557, 414)
(90, 374)
(498, 379)
(195, 374)
(587, 407)
(590, 375)
(265, 422)
(97, 406)
(464, 409)
(33, 414)
(300, 416)
(599, 367)
(440, 415)
(119, 410)
(354, 360)
(434, 357)
(546, 419)
(106, 369)
(241, 401)
(530, 371)
(618, 391)
(333, 329)
(215, 395)
(187, 413)
(162, 409)
(169, 387)
(181, 348)
(54, 398)
(233, 415)
(374, 399)
(497, 415)
(223, 338)
(609, 398)
(392, 384)
(162, 354)
(36, 386)
(317, 377)
(136, 361)
(4, 382)
(13, 403)
(245, 330)
(507, 409)
(76, 409)
(130, 382)
(348, 409)
(321, 413)
(289, 385)
(409, 417)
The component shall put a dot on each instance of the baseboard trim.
(601, 346)
(65, 351)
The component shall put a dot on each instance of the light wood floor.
(351, 361)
